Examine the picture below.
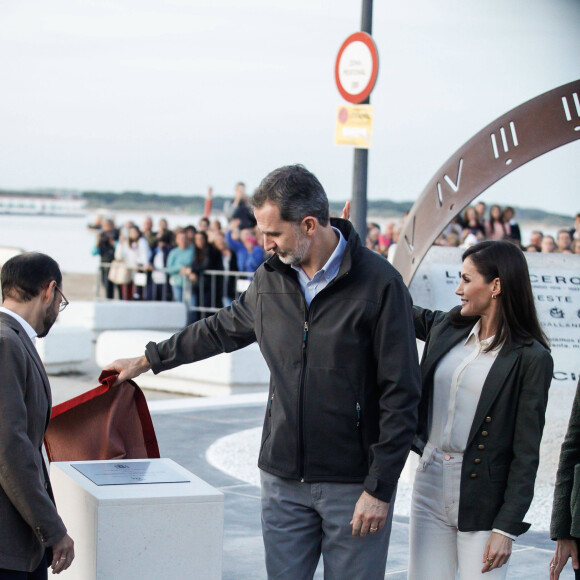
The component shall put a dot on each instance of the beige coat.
(29, 522)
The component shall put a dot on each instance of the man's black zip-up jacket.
(345, 381)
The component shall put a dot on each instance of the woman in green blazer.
(486, 370)
(565, 525)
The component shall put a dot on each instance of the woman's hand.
(565, 548)
(346, 211)
(497, 552)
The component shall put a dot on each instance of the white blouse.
(458, 382)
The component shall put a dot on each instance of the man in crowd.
(536, 239)
(333, 321)
(563, 241)
(32, 535)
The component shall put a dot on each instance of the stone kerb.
(65, 349)
(242, 371)
(125, 315)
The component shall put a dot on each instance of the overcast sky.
(173, 96)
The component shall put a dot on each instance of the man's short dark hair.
(25, 275)
(296, 192)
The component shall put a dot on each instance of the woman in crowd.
(511, 227)
(486, 371)
(248, 252)
(565, 525)
(177, 266)
(494, 227)
(159, 288)
(227, 288)
(135, 252)
(470, 221)
(206, 258)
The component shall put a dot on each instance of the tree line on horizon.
(194, 204)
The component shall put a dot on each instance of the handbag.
(119, 273)
(140, 278)
(104, 423)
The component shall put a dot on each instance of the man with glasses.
(32, 535)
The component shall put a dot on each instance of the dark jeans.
(39, 574)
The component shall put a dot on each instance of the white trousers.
(437, 548)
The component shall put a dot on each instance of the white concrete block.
(241, 371)
(65, 348)
(120, 315)
(140, 531)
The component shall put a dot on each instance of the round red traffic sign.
(357, 67)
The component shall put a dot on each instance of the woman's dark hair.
(518, 318)
(24, 276)
(200, 253)
(493, 219)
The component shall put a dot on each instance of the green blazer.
(29, 523)
(566, 509)
(502, 454)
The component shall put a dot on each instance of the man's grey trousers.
(301, 521)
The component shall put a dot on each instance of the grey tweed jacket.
(29, 523)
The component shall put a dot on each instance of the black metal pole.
(361, 156)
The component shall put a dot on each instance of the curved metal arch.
(537, 126)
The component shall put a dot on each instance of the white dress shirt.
(320, 280)
(458, 382)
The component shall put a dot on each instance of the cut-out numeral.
(503, 136)
(568, 111)
(454, 185)
(411, 243)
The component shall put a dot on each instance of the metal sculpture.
(540, 125)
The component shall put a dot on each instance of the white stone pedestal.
(140, 531)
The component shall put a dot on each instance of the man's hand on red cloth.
(128, 368)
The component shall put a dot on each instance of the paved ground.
(186, 427)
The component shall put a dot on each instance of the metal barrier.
(206, 297)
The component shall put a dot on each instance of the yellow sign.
(354, 126)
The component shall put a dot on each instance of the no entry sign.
(357, 67)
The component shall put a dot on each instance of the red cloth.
(104, 423)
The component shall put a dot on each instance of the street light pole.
(361, 156)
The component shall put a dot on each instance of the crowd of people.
(148, 263)
(476, 224)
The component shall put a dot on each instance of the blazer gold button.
(488, 419)
(481, 447)
(484, 433)
(477, 460)
(473, 475)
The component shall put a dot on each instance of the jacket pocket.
(333, 425)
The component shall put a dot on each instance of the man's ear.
(48, 292)
(309, 225)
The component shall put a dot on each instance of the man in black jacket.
(333, 321)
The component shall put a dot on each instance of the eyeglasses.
(64, 302)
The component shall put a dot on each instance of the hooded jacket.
(345, 381)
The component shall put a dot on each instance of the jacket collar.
(353, 245)
(17, 327)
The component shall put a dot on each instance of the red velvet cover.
(104, 423)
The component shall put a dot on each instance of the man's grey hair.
(296, 192)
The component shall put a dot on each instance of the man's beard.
(297, 256)
(49, 319)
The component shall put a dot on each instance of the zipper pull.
(305, 339)
(357, 414)
(270, 404)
